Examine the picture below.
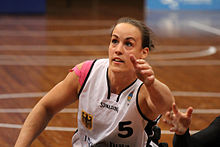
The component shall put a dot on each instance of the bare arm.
(63, 94)
(160, 97)
(155, 97)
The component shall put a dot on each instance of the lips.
(118, 60)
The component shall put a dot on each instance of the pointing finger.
(133, 60)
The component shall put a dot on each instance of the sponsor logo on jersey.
(111, 107)
(87, 119)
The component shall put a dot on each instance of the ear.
(144, 52)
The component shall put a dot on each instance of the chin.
(119, 69)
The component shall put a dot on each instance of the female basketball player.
(180, 123)
(119, 97)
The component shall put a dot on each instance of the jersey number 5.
(122, 126)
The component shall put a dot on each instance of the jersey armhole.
(141, 113)
(83, 73)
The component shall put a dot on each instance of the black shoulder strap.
(87, 76)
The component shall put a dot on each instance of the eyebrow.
(130, 38)
(125, 38)
(115, 35)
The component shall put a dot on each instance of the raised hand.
(143, 70)
(178, 121)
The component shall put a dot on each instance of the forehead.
(126, 30)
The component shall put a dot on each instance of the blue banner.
(22, 6)
(183, 4)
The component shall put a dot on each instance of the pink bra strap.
(83, 72)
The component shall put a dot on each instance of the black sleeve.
(181, 140)
(209, 136)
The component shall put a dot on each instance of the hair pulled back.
(145, 31)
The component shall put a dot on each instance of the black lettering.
(85, 138)
(122, 127)
(111, 144)
(111, 107)
(102, 105)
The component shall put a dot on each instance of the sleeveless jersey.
(106, 119)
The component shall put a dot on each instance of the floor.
(37, 51)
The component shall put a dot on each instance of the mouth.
(118, 60)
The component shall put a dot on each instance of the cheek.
(137, 53)
(128, 53)
(127, 56)
(110, 50)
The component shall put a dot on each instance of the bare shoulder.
(72, 79)
(71, 82)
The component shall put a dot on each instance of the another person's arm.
(179, 123)
(209, 136)
(63, 94)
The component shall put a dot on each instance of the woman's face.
(126, 40)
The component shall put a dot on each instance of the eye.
(114, 41)
(129, 44)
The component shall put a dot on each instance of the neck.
(120, 80)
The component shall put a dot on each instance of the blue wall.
(22, 6)
(183, 4)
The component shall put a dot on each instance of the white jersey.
(106, 119)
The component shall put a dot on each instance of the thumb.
(189, 112)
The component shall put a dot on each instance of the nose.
(119, 49)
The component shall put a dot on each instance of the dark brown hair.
(145, 31)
